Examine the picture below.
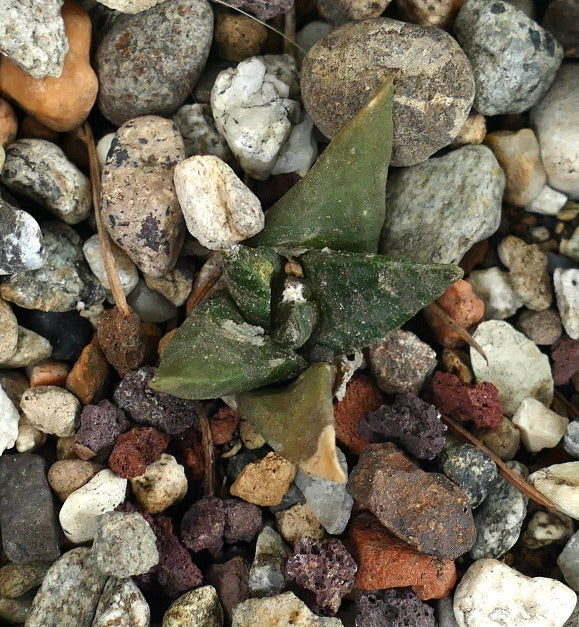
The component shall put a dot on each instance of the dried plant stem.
(289, 45)
(208, 455)
(573, 411)
(201, 292)
(506, 472)
(105, 242)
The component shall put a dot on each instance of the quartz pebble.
(515, 365)
(514, 60)
(40, 170)
(150, 305)
(127, 271)
(79, 513)
(455, 198)
(491, 591)
(493, 286)
(297, 522)
(568, 562)
(539, 426)
(9, 418)
(124, 545)
(51, 409)
(299, 153)
(267, 574)
(547, 202)
(219, 209)
(67, 475)
(200, 135)
(21, 241)
(121, 603)
(567, 291)
(543, 327)
(200, 607)
(544, 528)
(560, 484)
(162, 484)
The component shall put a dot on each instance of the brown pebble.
(121, 340)
(65, 448)
(223, 425)
(8, 123)
(504, 441)
(67, 475)
(237, 37)
(165, 340)
(191, 447)
(48, 372)
(31, 127)
(135, 450)
(231, 580)
(89, 377)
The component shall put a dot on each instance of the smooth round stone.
(568, 562)
(17, 579)
(514, 60)
(67, 475)
(175, 286)
(543, 327)
(163, 484)
(31, 349)
(8, 423)
(15, 611)
(556, 121)
(437, 210)
(238, 36)
(40, 170)
(539, 426)
(21, 242)
(127, 271)
(121, 604)
(515, 365)
(493, 286)
(560, 483)
(567, 291)
(434, 82)
(200, 607)
(51, 409)
(492, 593)
(548, 202)
(307, 36)
(149, 62)
(8, 331)
(149, 305)
(571, 439)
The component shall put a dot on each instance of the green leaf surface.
(363, 297)
(340, 203)
(215, 353)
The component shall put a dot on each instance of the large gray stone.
(21, 243)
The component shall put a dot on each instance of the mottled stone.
(149, 305)
(237, 36)
(30, 349)
(196, 124)
(544, 528)
(267, 573)
(21, 242)
(439, 13)
(121, 603)
(438, 209)
(571, 439)
(129, 6)
(51, 409)
(139, 173)
(14, 611)
(543, 327)
(567, 292)
(560, 484)
(161, 485)
(67, 475)
(434, 88)
(148, 62)
(175, 285)
(514, 60)
(135, 450)
(297, 522)
(17, 579)
(380, 607)
(493, 286)
(200, 607)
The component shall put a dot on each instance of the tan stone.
(237, 37)
(473, 131)
(48, 372)
(68, 475)
(297, 522)
(439, 13)
(8, 331)
(8, 123)
(161, 485)
(60, 103)
(89, 377)
(265, 481)
(503, 442)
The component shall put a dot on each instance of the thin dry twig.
(289, 45)
(573, 411)
(511, 476)
(208, 455)
(105, 242)
(201, 292)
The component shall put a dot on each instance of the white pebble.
(547, 527)
(9, 418)
(300, 151)
(548, 202)
(567, 291)
(51, 409)
(219, 209)
(493, 287)
(127, 270)
(29, 437)
(539, 426)
(162, 484)
(103, 147)
(560, 484)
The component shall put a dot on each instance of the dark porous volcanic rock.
(149, 62)
(424, 509)
(434, 85)
(242, 521)
(203, 525)
(565, 355)
(395, 608)
(100, 426)
(231, 580)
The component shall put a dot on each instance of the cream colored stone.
(539, 426)
(51, 409)
(473, 131)
(560, 483)
(298, 522)
(162, 484)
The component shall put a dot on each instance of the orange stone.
(61, 103)
(462, 305)
(362, 396)
(32, 128)
(385, 561)
(89, 377)
(8, 123)
(48, 372)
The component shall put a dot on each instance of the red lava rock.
(385, 561)
(48, 372)
(362, 396)
(231, 580)
(135, 450)
(192, 456)
(425, 509)
(223, 425)
(565, 355)
(462, 305)
(121, 340)
(478, 402)
(100, 426)
(89, 377)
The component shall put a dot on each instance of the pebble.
(560, 483)
(162, 484)
(48, 372)
(51, 409)
(493, 286)
(329, 500)
(127, 271)
(33, 36)
(519, 156)
(455, 198)
(548, 202)
(135, 450)
(29, 528)
(473, 471)
(67, 475)
(539, 426)
(514, 60)
(377, 607)
(63, 283)
(31, 349)
(63, 103)
(500, 518)
(14, 611)
(175, 286)
(219, 209)
(543, 327)
(427, 13)
(567, 292)
(29, 437)
(79, 513)
(237, 37)
(561, 19)
(100, 426)
(265, 481)
(253, 110)
(474, 130)
(40, 170)
(275, 610)
(17, 579)
(455, 362)
(124, 545)
(351, 10)
(70, 592)
(149, 62)
(565, 354)
(200, 607)
(300, 151)
(544, 528)
(571, 439)
(267, 574)
(307, 36)
(8, 124)
(297, 522)
(121, 603)
(556, 122)
(150, 305)
(401, 362)
(430, 106)
(21, 242)
(231, 582)
(139, 173)
(130, 6)
(9, 418)
(515, 366)
(402, 496)
(492, 593)
(196, 124)
(568, 562)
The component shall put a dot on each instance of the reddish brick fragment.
(48, 372)
(478, 402)
(134, 450)
(223, 425)
(121, 339)
(565, 355)
(89, 377)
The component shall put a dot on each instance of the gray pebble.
(267, 573)
(437, 210)
(175, 286)
(30, 349)
(514, 60)
(149, 62)
(543, 327)
(40, 170)
(571, 439)
(568, 561)
(292, 497)
(151, 306)
(121, 604)
(199, 133)
(21, 243)
(63, 283)
(8, 331)
(562, 19)
(139, 204)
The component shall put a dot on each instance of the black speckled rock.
(149, 62)
(395, 608)
(21, 243)
(30, 530)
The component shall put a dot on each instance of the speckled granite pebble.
(121, 604)
(200, 607)
(17, 579)
(197, 126)
(21, 242)
(267, 574)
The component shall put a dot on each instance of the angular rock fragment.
(21, 241)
